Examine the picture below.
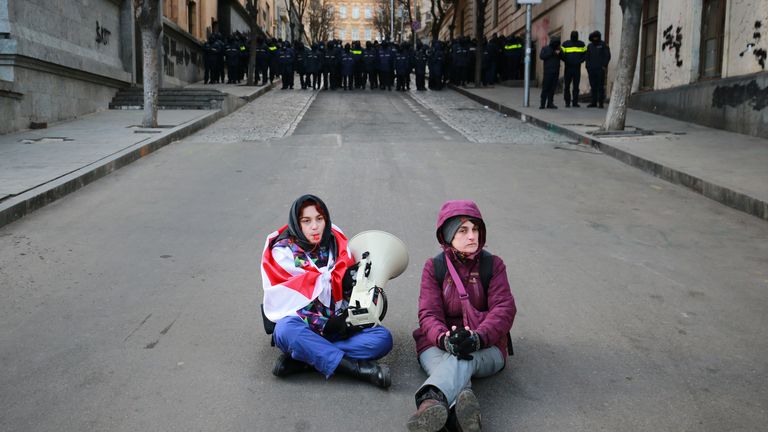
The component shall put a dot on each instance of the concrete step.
(133, 98)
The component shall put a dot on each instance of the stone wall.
(182, 57)
(738, 104)
(60, 60)
(37, 101)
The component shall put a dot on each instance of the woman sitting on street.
(304, 272)
(464, 321)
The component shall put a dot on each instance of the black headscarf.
(294, 226)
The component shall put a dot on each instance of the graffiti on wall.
(737, 94)
(674, 43)
(102, 34)
(176, 54)
(759, 53)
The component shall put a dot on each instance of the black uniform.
(314, 65)
(209, 59)
(598, 57)
(262, 62)
(347, 68)
(420, 66)
(551, 56)
(512, 55)
(232, 54)
(574, 52)
(436, 65)
(369, 65)
(329, 65)
(402, 68)
(285, 57)
(385, 66)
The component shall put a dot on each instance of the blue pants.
(294, 337)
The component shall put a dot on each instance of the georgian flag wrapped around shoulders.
(288, 288)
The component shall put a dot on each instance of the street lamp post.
(527, 92)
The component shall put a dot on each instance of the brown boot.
(431, 414)
(468, 411)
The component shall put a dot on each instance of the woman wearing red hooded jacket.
(454, 343)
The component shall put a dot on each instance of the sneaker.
(575, 105)
(468, 411)
(592, 105)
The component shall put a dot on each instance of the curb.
(724, 195)
(17, 207)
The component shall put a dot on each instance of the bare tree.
(454, 15)
(321, 20)
(300, 8)
(438, 10)
(616, 116)
(149, 18)
(382, 17)
(406, 4)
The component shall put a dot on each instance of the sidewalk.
(727, 167)
(39, 166)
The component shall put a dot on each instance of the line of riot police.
(383, 65)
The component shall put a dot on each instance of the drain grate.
(45, 140)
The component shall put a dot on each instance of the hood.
(574, 36)
(459, 208)
(554, 43)
(595, 36)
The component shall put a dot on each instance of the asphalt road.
(132, 304)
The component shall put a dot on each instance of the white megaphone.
(380, 257)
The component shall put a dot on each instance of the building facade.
(354, 20)
(60, 60)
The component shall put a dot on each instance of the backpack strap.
(438, 262)
(486, 268)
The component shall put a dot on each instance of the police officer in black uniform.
(420, 66)
(574, 52)
(209, 60)
(551, 55)
(369, 64)
(285, 56)
(598, 57)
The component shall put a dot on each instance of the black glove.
(461, 342)
(337, 327)
(348, 281)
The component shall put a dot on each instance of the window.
(342, 34)
(367, 34)
(368, 12)
(355, 34)
(342, 12)
(712, 29)
(355, 12)
(648, 50)
(191, 16)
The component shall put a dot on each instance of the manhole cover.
(45, 140)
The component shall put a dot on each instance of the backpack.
(486, 273)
